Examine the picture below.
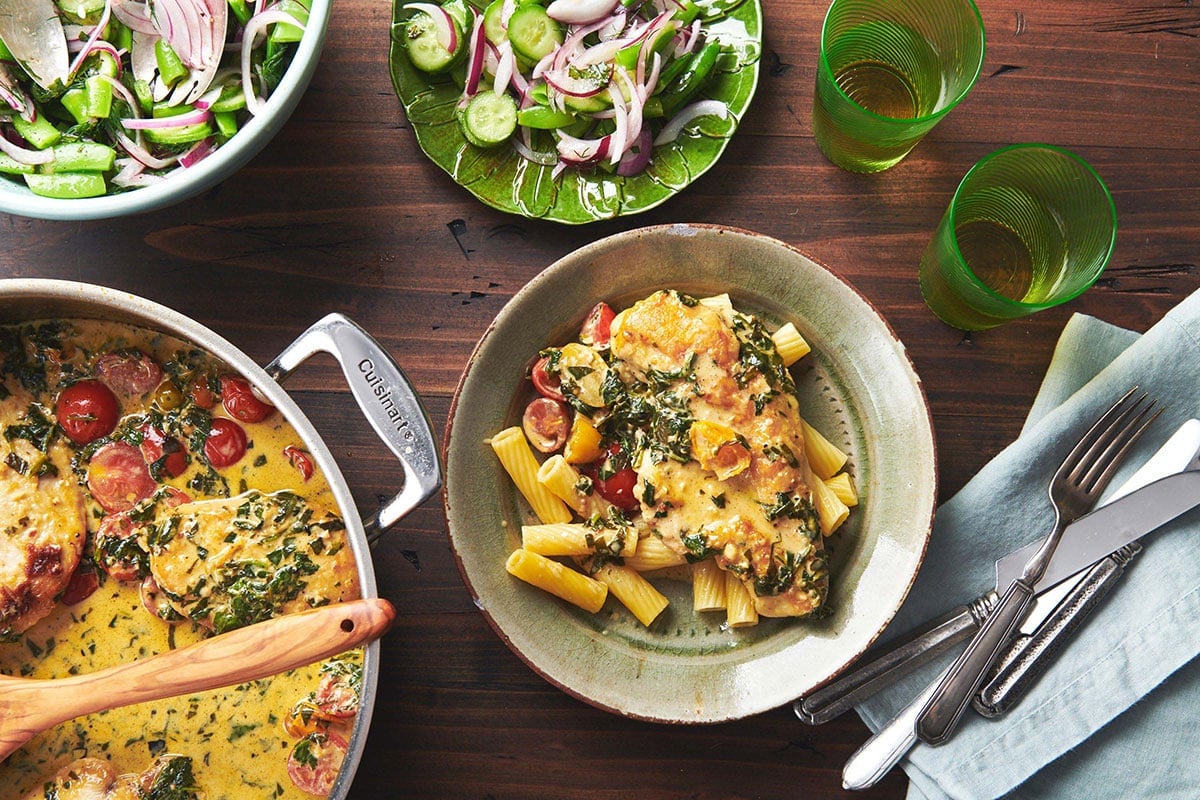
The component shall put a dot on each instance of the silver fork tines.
(1074, 489)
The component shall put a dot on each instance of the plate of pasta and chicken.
(690, 474)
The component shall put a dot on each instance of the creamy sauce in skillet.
(239, 739)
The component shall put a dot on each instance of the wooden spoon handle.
(246, 654)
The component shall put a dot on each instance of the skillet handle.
(387, 400)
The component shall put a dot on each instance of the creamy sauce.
(235, 737)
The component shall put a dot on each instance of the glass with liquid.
(1031, 226)
(889, 70)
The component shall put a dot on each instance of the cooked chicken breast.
(42, 528)
(742, 496)
(235, 561)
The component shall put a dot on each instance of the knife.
(33, 33)
(1101, 532)
(906, 654)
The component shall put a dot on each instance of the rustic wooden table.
(342, 212)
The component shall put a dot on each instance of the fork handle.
(941, 714)
(889, 665)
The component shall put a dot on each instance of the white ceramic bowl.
(182, 184)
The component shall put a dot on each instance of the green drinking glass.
(889, 70)
(1030, 227)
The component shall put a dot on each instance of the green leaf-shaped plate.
(502, 179)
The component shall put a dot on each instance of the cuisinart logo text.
(383, 393)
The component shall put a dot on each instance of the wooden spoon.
(28, 707)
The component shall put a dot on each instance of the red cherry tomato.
(315, 761)
(547, 424)
(301, 460)
(118, 477)
(87, 411)
(129, 373)
(83, 582)
(336, 697)
(546, 383)
(240, 401)
(164, 451)
(618, 489)
(201, 394)
(597, 328)
(226, 443)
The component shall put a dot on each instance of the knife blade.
(886, 665)
(33, 33)
(1116, 524)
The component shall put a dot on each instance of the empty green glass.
(889, 70)
(1031, 226)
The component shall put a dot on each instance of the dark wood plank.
(343, 212)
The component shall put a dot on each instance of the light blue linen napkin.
(1081, 732)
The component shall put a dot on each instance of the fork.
(1074, 489)
(1103, 446)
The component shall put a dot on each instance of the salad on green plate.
(575, 110)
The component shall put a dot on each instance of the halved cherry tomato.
(118, 477)
(129, 373)
(83, 582)
(618, 489)
(547, 424)
(226, 443)
(544, 381)
(597, 328)
(301, 460)
(315, 761)
(163, 452)
(240, 401)
(87, 411)
(201, 394)
(336, 696)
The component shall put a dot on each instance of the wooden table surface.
(342, 212)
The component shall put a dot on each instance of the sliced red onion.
(529, 154)
(620, 134)
(615, 27)
(703, 108)
(101, 24)
(141, 153)
(443, 24)
(505, 67)
(636, 158)
(580, 12)
(178, 121)
(475, 58)
(573, 44)
(122, 91)
(634, 107)
(581, 152)
(23, 155)
(257, 25)
(651, 81)
(563, 83)
(597, 54)
(197, 152)
(135, 15)
(540, 67)
(689, 40)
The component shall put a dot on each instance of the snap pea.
(171, 68)
(66, 185)
(40, 133)
(226, 123)
(544, 118)
(80, 157)
(692, 79)
(241, 10)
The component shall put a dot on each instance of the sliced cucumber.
(489, 119)
(589, 105)
(493, 22)
(425, 51)
(533, 33)
(462, 15)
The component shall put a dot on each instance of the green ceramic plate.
(857, 386)
(502, 179)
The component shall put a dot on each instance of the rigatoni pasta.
(686, 456)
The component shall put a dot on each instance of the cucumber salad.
(104, 96)
(588, 84)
